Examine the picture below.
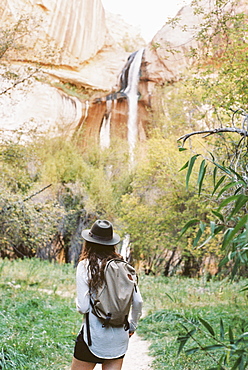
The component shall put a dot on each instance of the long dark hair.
(96, 253)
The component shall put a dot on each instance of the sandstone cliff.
(167, 55)
(67, 41)
(61, 32)
(75, 42)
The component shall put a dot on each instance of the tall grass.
(174, 306)
(39, 323)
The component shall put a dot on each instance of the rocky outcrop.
(37, 107)
(59, 32)
(75, 40)
(168, 55)
(71, 43)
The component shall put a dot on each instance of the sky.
(148, 15)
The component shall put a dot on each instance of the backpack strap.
(126, 323)
(88, 329)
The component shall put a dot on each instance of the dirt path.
(137, 355)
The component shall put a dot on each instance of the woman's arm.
(83, 296)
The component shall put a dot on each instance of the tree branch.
(38, 192)
(19, 82)
(236, 130)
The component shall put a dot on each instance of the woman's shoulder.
(83, 264)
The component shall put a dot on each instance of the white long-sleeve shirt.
(108, 342)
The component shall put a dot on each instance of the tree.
(230, 188)
(223, 83)
(220, 62)
(156, 209)
(11, 41)
(220, 81)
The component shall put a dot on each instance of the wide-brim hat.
(101, 232)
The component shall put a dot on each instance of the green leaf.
(241, 337)
(219, 183)
(238, 175)
(170, 297)
(183, 340)
(226, 236)
(240, 202)
(215, 174)
(228, 200)
(232, 234)
(213, 347)
(192, 350)
(222, 331)
(206, 241)
(219, 367)
(188, 225)
(218, 229)
(184, 166)
(213, 159)
(246, 233)
(219, 215)
(201, 175)
(231, 338)
(190, 167)
(235, 269)
(212, 227)
(228, 186)
(198, 235)
(181, 149)
(237, 363)
(238, 189)
(244, 288)
(223, 168)
(207, 326)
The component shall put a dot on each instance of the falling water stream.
(132, 94)
(105, 128)
(129, 81)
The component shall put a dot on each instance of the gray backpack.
(113, 300)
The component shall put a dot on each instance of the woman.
(97, 343)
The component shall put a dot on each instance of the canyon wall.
(75, 43)
(56, 42)
(59, 32)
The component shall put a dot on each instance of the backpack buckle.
(107, 320)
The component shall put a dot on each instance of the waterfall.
(105, 127)
(129, 80)
(131, 90)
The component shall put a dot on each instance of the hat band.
(94, 236)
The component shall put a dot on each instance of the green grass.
(39, 322)
(173, 307)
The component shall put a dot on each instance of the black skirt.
(82, 352)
